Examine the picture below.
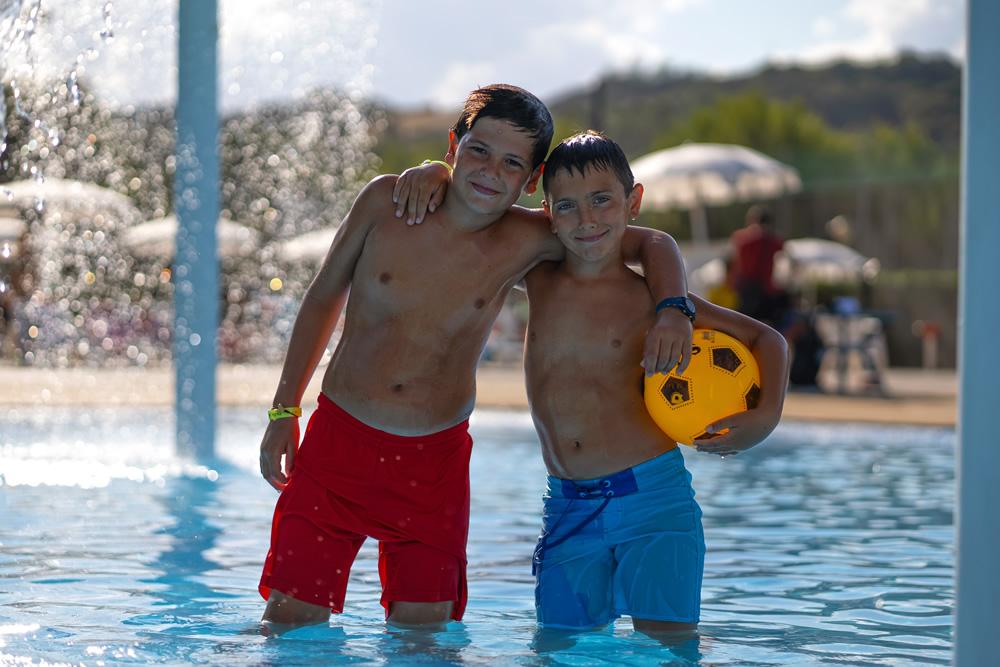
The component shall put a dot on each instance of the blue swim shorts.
(630, 544)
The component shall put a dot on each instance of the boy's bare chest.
(405, 267)
(594, 330)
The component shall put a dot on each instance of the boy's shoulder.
(530, 218)
(530, 226)
(381, 187)
(375, 200)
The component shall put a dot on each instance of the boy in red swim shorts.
(386, 454)
(351, 481)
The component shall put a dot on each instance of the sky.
(432, 52)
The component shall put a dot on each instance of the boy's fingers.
(718, 427)
(663, 362)
(278, 481)
(395, 190)
(289, 459)
(685, 356)
(649, 358)
(437, 198)
(668, 357)
(412, 207)
(404, 193)
(674, 359)
(422, 203)
(275, 479)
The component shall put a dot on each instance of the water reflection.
(444, 646)
(555, 646)
(183, 596)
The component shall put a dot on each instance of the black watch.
(681, 303)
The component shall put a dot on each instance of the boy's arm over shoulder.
(317, 317)
(532, 228)
(420, 190)
(668, 342)
(769, 348)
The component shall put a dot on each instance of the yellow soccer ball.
(721, 380)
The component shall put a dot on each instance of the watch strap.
(681, 303)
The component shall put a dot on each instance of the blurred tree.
(790, 132)
(784, 130)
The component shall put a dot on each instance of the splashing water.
(94, 292)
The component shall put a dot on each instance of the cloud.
(824, 26)
(460, 78)
(265, 51)
(866, 30)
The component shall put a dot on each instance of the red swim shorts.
(351, 481)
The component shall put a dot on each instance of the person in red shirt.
(753, 250)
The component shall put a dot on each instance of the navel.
(479, 303)
(385, 277)
(616, 343)
(397, 388)
(577, 444)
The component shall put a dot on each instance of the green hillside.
(921, 94)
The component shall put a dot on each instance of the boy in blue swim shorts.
(622, 531)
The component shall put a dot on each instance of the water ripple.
(825, 544)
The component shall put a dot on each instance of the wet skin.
(420, 309)
(421, 305)
(589, 317)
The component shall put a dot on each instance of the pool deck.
(908, 396)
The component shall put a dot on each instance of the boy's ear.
(449, 157)
(634, 201)
(532, 185)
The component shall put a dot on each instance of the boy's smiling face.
(492, 164)
(589, 212)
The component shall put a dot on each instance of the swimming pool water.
(827, 544)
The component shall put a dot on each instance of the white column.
(196, 202)
(978, 512)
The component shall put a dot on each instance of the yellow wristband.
(440, 162)
(283, 412)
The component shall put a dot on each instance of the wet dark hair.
(514, 105)
(759, 213)
(585, 149)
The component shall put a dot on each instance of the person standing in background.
(753, 249)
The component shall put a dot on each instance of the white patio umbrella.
(822, 260)
(61, 191)
(693, 176)
(157, 238)
(802, 261)
(310, 247)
